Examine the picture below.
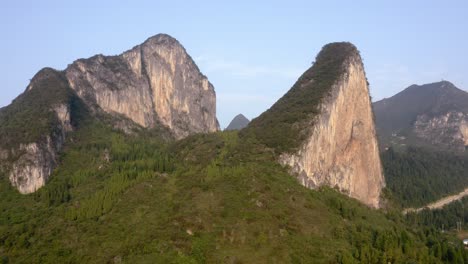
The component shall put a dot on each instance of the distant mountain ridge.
(238, 123)
(434, 114)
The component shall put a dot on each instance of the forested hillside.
(418, 176)
(445, 218)
(206, 199)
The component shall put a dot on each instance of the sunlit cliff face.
(341, 150)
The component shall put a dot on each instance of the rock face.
(154, 84)
(430, 115)
(32, 170)
(238, 123)
(156, 81)
(339, 147)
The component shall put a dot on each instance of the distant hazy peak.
(238, 123)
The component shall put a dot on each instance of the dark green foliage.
(283, 127)
(444, 218)
(417, 176)
(31, 115)
(206, 199)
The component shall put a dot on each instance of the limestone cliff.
(155, 84)
(156, 81)
(338, 145)
(342, 149)
(35, 164)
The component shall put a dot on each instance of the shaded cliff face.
(337, 144)
(431, 115)
(156, 81)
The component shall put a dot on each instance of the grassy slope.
(237, 203)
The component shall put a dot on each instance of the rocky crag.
(154, 84)
(154, 81)
(333, 142)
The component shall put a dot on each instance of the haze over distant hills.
(433, 115)
(238, 123)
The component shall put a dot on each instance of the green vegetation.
(205, 199)
(445, 218)
(417, 176)
(211, 198)
(283, 126)
(31, 116)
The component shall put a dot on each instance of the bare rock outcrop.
(334, 143)
(155, 82)
(154, 85)
(37, 161)
(449, 130)
(342, 149)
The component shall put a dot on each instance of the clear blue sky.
(251, 52)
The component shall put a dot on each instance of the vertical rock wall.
(342, 149)
(155, 81)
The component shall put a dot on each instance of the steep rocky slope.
(325, 128)
(154, 85)
(238, 123)
(154, 81)
(434, 115)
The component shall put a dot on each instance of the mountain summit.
(155, 85)
(238, 123)
(323, 129)
(156, 81)
(434, 114)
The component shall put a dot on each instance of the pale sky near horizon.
(251, 52)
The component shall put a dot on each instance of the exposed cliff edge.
(429, 115)
(155, 85)
(156, 81)
(334, 140)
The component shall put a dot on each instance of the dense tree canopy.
(417, 176)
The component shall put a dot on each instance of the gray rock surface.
(154, 81)
(154, 84)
